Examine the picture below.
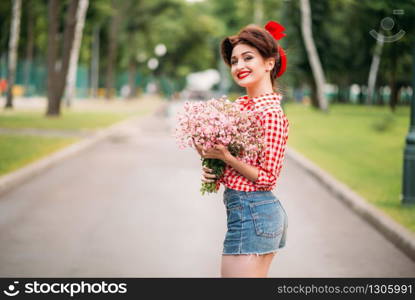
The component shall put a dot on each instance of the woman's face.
(248, 67)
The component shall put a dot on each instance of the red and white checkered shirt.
(269, 162)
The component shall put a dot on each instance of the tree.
(389, 46)
(73, 61)
(374, 68)
(13, 42)
(30, 42)
(258, 16)
(58, 64)
(312, 54)
(137, 29)
(95, 61)
(113, 46)
(99, 11)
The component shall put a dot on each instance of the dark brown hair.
(256, 37)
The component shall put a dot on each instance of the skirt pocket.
(233, 206)
(268, 217)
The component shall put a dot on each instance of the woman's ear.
(270, 63)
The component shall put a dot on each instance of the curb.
(15, 178)
(393, 231)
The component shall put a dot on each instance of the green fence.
(31, 80)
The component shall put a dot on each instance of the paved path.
(47, 132)
(130, 206)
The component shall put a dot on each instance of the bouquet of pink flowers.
(219, 121)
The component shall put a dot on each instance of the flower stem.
(217, 166)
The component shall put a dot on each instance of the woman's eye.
(233, 62)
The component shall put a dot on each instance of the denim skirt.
(256, 222)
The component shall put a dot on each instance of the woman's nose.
(240, 64)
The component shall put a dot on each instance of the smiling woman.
(258, 44)
(256, 220)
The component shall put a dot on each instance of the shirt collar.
(274, 96)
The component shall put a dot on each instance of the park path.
(130, 206)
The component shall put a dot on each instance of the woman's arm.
(222, 153)
(244, 169)
(265, 175)
(275, 139)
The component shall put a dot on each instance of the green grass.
(69, 120)
(360, 146)
(19, 150)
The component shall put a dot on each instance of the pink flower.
(218, 121)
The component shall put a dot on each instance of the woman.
(256, 220)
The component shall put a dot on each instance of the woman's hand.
(218, 152)
(198, 148)
(207, 175)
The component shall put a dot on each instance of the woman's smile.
(243, 74)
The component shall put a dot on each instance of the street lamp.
(160, 50)
(408, 190)
(153, 63)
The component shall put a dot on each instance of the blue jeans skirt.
(256, 222)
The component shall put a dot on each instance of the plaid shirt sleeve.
(271, 158)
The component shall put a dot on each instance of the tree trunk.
(374, 68)
(313, 96)
(312, 54)
(57, 84)
(361, 96)
(132, 74)
(53, 18)
(30, 45)
(395, 92)
(95, 62)
(380, 96)
(344, 93)
(112, 50)
(225, 82)
(393, 98)
(73, 61)
(338, 94)
(13, 42)
(258, 12)
(341, 93)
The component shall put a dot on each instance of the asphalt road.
(130, 207)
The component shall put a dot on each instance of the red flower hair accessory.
(276, 30)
